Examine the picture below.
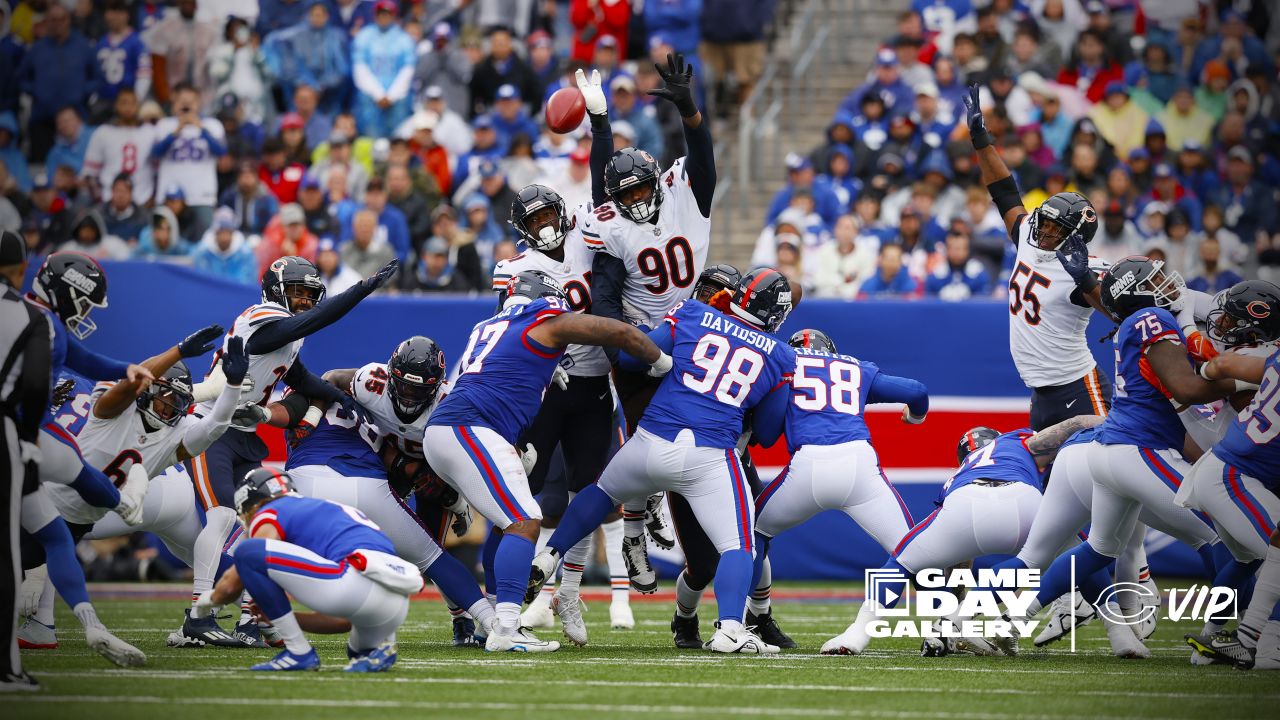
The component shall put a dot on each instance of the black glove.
(382, 277)
(677, 79)
(200, 342)
(353, 408)
(235, 360)
(977, 124)
(62, 392)
(1074, 256)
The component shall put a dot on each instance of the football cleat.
(19, 682)
(289, 662)
(742, 642)
(198, 632)
(379, 659)
(937, 647)
(539, 614)
(522, 640)
(35, 635)
(1008, 645)
(544, 566)
(1221, 647)
(1063, 617)
(849, 642)
(464, 632)
(569, 609)
(641, 574)
(271, 636)
(655, 521)
(685, 633)
(1124, 644)
(249, 635)
(620, 615)
(113, 648)
(767, 628)
(975, 646)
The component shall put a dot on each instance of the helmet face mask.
(631, 182)
(1137, 282)
(293, 283)
(415, 371)
(1245, 314)
(538, 215)
(1060, 217)
(301, 297)
(637, 201)
(72, 284)
(525, 287)
(763, 299)
(168, 399)
(714, 279)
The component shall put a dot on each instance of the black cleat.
(767, 628)
(685, 632)
(201, 632)
(1222, 647)
(18, 682)
(248, 633)
(464, 633)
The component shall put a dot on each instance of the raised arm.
(700, 161)
(285, 330)
(995, 174)
(120, 396)
(202, 432)
(601, 132)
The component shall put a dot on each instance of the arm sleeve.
(278, 333)
(601, 151)
(768, 418)
(34, 379)
(216, 146)
(160, 148)
(309, 384)
(662, 336)
(893, 389)
(700, 165)
(607, 277)
(204, 431)
(91, 364)
(296, 405)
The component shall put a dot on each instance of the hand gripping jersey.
(342, 443)
(574, 275)
(828, 395)
(663, 259)
(1005, 458)
(328, 529)
(1046, 329)
(265, 370)
(504, 372)
(1142, 413)
(721, 368)
(1250, 444)
(369, 387)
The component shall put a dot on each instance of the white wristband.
(1242, 386)
(313, 416)
(661, 366)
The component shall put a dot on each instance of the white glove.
(132, 495)
(910, 419)
(29, 452)
(560, 378)
(32, 589)
(462, 520)
(529, 458)
(661, 366)
(249, 415)
(205, 606)
(592, 93)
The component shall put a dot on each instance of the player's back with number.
(326, 528)
(829, 393)
(721, 368)
(341, 442)
(1252, 443)
(1142, 413)
(1006, 458)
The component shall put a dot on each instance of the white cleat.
(544, 566)
(1007, 645)
(978, 646)
(1124, 644)
(35, 635)
(539, 614)
(655, 521)
(849, 642)
(635, 555)
(742, 641)
(569, 609)
(620, 616)
(522, 640)
(113, 648)
(1063, 616)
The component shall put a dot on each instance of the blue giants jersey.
(1005, 458)
(121, 62)
(721, 368)
(504, 372)
(342, 443)
(72, 414)
(828, 394)
(328, 529)
(1141, 412)
(1251, 442)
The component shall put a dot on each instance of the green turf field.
(633, 674)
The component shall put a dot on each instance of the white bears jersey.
(663, 260)
(115, 149)
(574, 275)
(189, 163)
(264, 370)
(1046, 329)
(369, 388)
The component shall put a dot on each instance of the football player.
(293, 306)
(470, 437)
(724, 365)
(577, 411)
(329, 556)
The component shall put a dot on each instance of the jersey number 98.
(726, 372)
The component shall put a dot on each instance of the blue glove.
(1074, 256)
(200, 342)
(977, 124)
(235, 360)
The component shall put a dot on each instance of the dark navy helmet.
(168, 398)
(415, 371)
(626, 176)
(1138, 282)
(763, 299)
(1247, 313)
(292, 278)
(531, 285)
(716, 278)
(1060, 217)
(974, 439)
(538, 215)
(811, 339)
(72, 284)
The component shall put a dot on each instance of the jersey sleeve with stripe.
(266, 370)
(828, 397)
(1142, 412)
(328, 529)
(1252, 443)
(341, 442)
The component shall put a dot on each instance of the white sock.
(219, 523)
(731, 626)
(294, 641)
(544, 534)
(758, 601)
(87, 616)
(618, 581)
(44, 612)
(547, 592)
(687, 599)
(246, 609)
(1266, 594)
(508, 618)
(482, 612)
(633, 518)
(575, 562)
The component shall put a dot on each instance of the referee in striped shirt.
(26, 342)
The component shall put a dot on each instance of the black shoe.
(464, 632)
(767, 628)
(199, 632)
(248, 633)
(685, 632)
(18, 682)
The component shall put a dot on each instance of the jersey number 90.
(670, 268)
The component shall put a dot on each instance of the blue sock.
(251, 564)
(487, 554)
(732, 583)
(1234, 574)
(511, 568)
(1207, 559)
(585, 513)
(1093, 585)
(1013, 563)
(454, 580)
(1057, 579)
(762, 554)
(96, 488)
(64, 567)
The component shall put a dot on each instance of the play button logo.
(893, 597)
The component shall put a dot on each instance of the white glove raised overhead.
(661, 366)
(529, 458)
(133, 494)
(592, 93)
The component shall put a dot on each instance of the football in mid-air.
(565, 110)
